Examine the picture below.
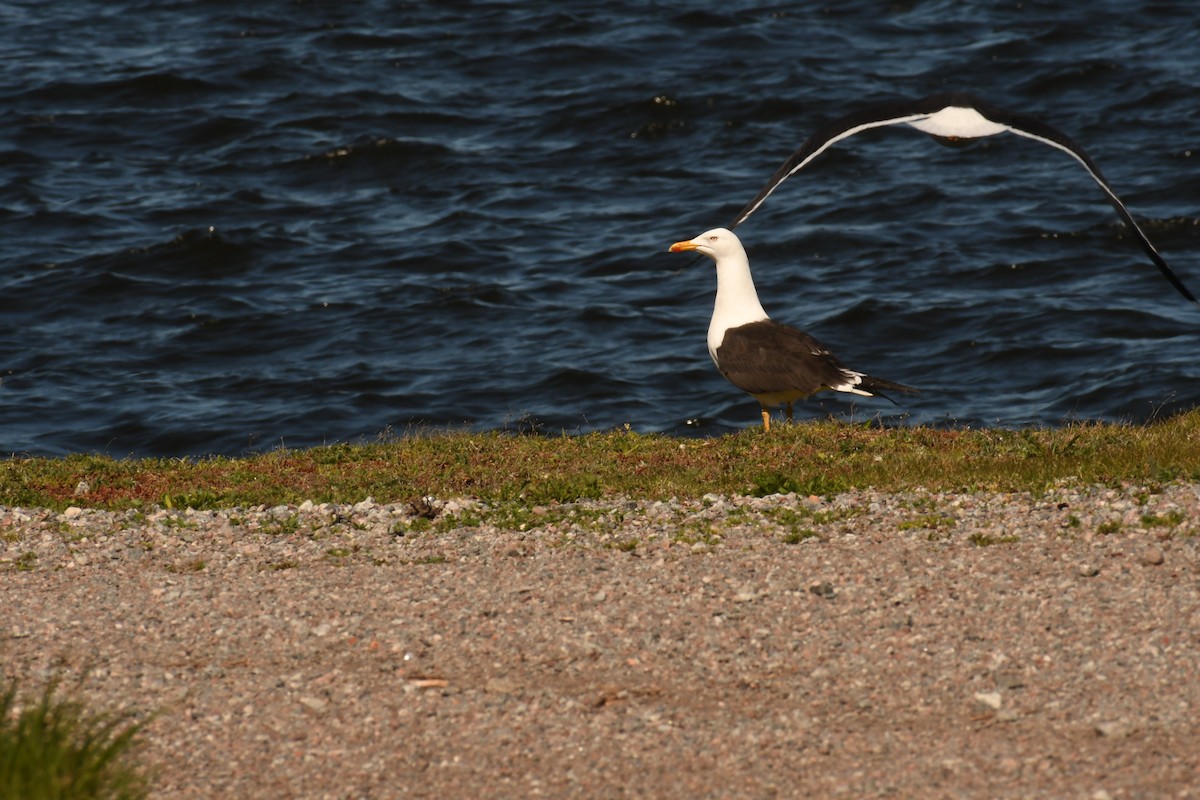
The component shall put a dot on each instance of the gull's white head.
(716, 244)
(737, 301)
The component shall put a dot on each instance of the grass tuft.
(53, 748)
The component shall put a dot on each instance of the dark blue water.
(228, 226)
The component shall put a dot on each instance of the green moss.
(410, 527)
(337, 555)
(984, 540)
(814, 485)
(283, 526)
(1168, 520)
(696, 532)
(26, 562)
(175, 521)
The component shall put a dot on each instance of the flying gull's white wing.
(953, 117)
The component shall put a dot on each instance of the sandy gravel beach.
(868, 645)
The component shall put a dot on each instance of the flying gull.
(951, 118)
(774, 362)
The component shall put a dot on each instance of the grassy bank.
(812, 458)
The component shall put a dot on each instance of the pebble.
(1114, 729)
(992, 700)
(1153, 555)
(823, 589)
(314, 704)
(501, 686)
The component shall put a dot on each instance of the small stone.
(1009, 680)
(1153, 556)
(501, 686)
(991, 700)
(1088, 570)
(314, 704)
(823, 589)
(72, 512)
(1113, 729)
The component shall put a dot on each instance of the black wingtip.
(874, 385)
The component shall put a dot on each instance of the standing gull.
(953, 117)
(774, 362)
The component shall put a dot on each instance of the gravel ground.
(898, 645)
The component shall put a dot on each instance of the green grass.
(26, 562)
(931, 521)
(284, 527)
(797, 535)
(818, 458)
(53, 748)
(1169, 520)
